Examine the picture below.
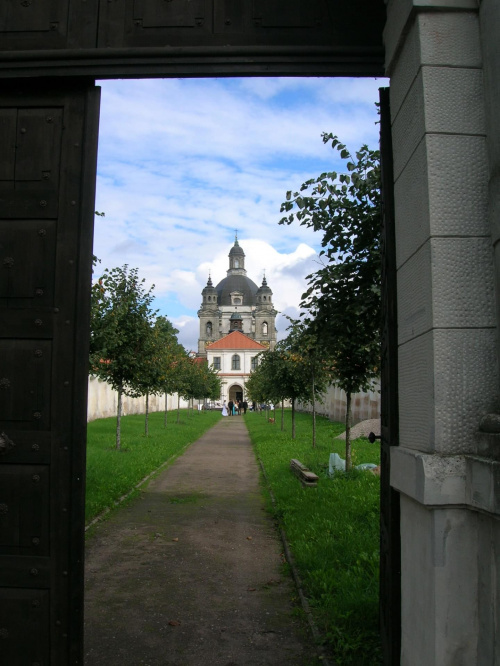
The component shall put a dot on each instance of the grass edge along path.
(113, 476)
(332, 531)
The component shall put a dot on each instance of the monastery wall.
(364, 405)
(102, 402)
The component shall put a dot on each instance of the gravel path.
(363, 429)
(191, 573)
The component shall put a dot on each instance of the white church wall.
(102, 402)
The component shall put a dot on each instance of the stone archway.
(235, 392)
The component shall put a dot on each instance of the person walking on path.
(190, 573)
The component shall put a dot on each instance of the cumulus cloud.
(184, 163)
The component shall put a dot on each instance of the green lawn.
(333, 530)
(112, 473)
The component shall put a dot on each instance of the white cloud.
(183, 163)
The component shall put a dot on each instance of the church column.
(446, 332)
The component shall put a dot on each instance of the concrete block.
(400, 13)
(454, 539)
(429, 479)
(416, 392)
(488, 550)
(417, 586)
(441, 100)
(439, 603)
(462, 283)
(447, 383)
(458, 176)
(436, 39)
(415, 295)
(465, 386)
(441, 191)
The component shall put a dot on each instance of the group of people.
(234, 408)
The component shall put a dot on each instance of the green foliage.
(333, 532)
(343, 298)
(120, 336)
(112, 474)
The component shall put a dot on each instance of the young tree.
(343, 297)
(313, 362)
(121, 318)
(159, 353)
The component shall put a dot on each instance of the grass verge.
(112, 474)
(332, 530)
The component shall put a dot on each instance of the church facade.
(237, 322)
(236, 303)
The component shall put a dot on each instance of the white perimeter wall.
(102, 402)
(364, 405)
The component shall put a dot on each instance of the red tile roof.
(236, 340)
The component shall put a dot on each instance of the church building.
(237, 322)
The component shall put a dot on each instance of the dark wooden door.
(48, 139)
(390, 541)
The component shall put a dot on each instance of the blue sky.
(185, 162)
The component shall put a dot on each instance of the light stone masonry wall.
(364, 405)
(448, 377)
(102, 402)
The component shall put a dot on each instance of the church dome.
(264, 288)
(235, 316)
(236, 250)
(240, 283)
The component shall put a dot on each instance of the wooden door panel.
(161, 14)
(24, 626)
(47, 24)
(25, 396)
(27, 259)
(46, 220)
(24, 510)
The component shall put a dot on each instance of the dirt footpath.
(191, 575)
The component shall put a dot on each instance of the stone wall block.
(458, 176)
(437, 39)
(408, 128)
(411, 196)
(399, 13)
(454, 537)
(464, 386)
(454, 100)
(441, 191)
(417, 588)
(462, 276)
(416, 393)
(415, 304)
(441, 100)
(488, 554)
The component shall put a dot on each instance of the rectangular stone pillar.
(446, 327)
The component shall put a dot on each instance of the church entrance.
(236, 393)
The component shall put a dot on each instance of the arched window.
(208, 329)
(264, 328)
(235, 362)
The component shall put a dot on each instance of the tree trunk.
(293, 418)
(178, 407)
(146, 423)
(348, 432)
(314, 412)
(166, 409)
(119, 419)
(282, 415)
